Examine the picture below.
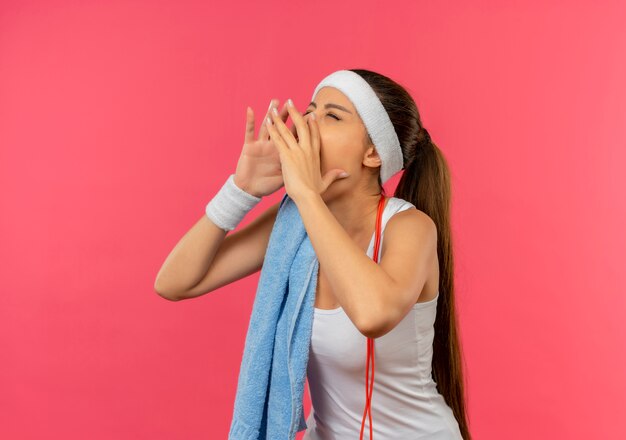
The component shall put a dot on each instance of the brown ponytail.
(425, 182)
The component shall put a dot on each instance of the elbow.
(164, 293)
(378, 317)
(373, 320)
(169, 297)
(372, 332)
(372, 328)
(378, 322)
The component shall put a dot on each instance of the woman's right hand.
(258, 170)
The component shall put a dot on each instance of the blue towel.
(268, 403)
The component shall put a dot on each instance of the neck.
(356, 212)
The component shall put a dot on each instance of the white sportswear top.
(405, 401)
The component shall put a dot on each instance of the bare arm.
(206, 258)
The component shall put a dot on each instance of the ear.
(371, 157)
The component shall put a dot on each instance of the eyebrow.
(331, 105)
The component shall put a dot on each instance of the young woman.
(419, 384)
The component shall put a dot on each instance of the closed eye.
(327, 114)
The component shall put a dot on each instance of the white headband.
(374, 116)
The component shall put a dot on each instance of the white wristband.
(230, 205)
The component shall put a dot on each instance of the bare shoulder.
(408, 228)
(412, 217)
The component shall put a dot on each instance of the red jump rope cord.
(369, 389)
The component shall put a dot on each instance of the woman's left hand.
(300, 159)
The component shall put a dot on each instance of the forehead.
(329, 94)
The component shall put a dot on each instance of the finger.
(249, 135)
(284, 131)
(284, 113)
(315, 134)
(276, 137)
(293, 131)
(263, 134)
(301, 126)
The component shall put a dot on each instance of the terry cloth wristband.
(230, 205)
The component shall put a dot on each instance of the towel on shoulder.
(268, 402)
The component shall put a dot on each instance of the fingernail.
(312, 115)
(344, 174)
(290, 102)
(270, 106)
(268, 121)
(274, 110)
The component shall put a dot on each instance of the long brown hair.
(425, 182)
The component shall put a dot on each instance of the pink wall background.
(120, 120)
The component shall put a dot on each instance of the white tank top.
(405, 401)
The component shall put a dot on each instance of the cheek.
(336, 154)
(338, 148)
